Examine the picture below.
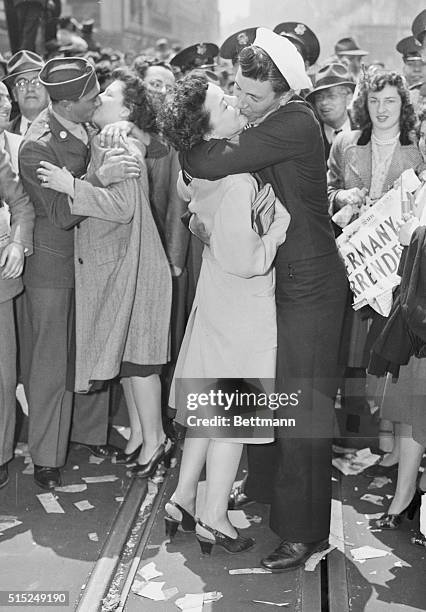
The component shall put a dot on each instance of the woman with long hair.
(363, 165)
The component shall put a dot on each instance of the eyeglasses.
(23, 84)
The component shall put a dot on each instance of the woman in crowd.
(363, 165)
(231, 332)
(123, 292)
(403, 400)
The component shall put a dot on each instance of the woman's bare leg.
(223, 459)
(411, 453)
(135, 425)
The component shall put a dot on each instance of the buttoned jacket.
(52, 265)
(350, 164)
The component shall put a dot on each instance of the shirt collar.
(330, 131)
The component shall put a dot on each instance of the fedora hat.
(331, 75)
(22, 62)
(232, 46)
(419, 26)
(303, 36)
(348, 46)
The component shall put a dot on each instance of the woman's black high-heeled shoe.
(128, 457)
(231, 545)
(393, 521)
(186, 521)
(162, 454)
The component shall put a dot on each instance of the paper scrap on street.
(271, 603)
(256, 519)
(29, 469)
(191, 602)
(249, 570)
(123, 431)
(7, 522)
(119, 498)
(94, 479)
(149, 571)
(22, 449)
(314, 559)
(373, 499)
(150, 590)
(238, 519)
(93, 536)
(378, 482)
(337, 538)
(96, 460)
(50, 503)
(84, 504)
(73, 488)
(353, 464)
(368, 552)
(212, 596)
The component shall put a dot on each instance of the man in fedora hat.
(331, 97)
(59, 136)
(348, 52)
(23, 70)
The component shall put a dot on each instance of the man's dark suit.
(48, 303)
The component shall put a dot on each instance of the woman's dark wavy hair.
(256, 64)
(183, 120)
(376, 82)
(137, 100)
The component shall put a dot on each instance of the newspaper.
(371, 249)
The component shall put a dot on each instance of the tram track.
(112, 576)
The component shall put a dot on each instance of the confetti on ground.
(94, 537)
(314, 559)
(249, 570)
(96, 460)
(271, 603)
(352, 464)
(8, 522)
(73, 488)
(119, 498)
(123, 431)
(50, 503)
(256, 519)
(84, 504)
(29, 469)
(94, 479)
(368, 552)
(373, 499)
(379, 482)
(75, 467)
(238, 519)
(149, 571)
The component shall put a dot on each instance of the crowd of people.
(166, 229)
